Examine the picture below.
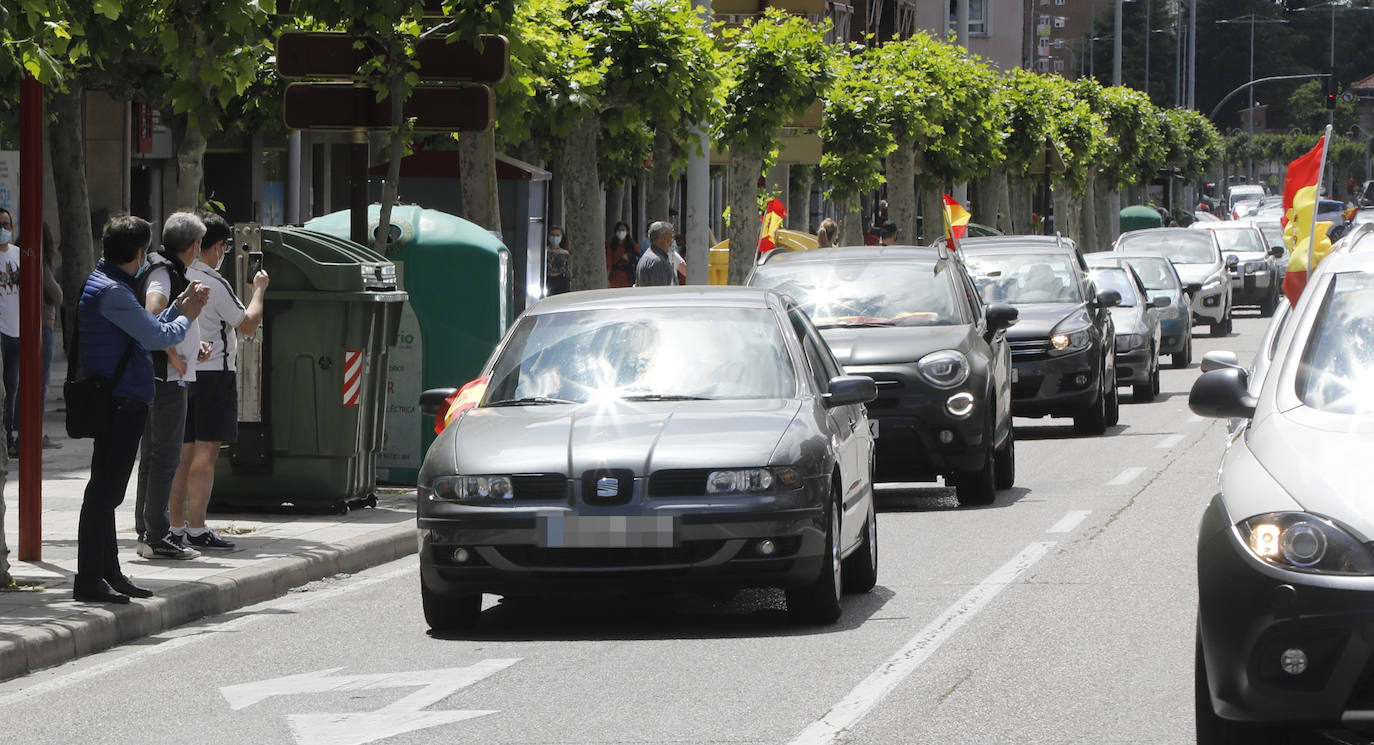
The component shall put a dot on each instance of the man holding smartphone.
(213, 404)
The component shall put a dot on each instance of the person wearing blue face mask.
(9, 328)
(557, 272)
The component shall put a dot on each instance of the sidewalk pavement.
(273, 553)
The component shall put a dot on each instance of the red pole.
(30, 232)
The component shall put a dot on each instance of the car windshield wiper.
(855, 325)
(530, 401)
(662, 397)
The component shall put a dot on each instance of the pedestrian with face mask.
(212, 403)
(622, 256)
(558, 273)
(9, 328)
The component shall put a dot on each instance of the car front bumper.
(910, 417)
(1251, 288)
(1250, 614)
(1211, 306)
(1134, 366)
(1055, 385)
(1173, 335)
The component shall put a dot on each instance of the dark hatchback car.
(1136, 319)
(1063, 344)
(913, 322)
(648, 439)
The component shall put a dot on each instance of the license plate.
(606, 531)
(873, 427)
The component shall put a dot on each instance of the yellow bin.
(787, 240)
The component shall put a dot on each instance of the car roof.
(705, 296)
(1017, 240)
(853, 253)
(1347, 262)
(1150, 231)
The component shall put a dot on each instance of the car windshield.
(1336, 373)
(1108, 278)
(646, 353)
(867, 293)
(1240, 239)
(1273, 233)
(1178, 246)
(1155, 274)
(1026, 278)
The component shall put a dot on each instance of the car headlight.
(1127, 342)
(1071, 335)
(1213, 283)
(1255, 267)
(747, 480)
(944, 369)
(1304, 542)
(471, 488)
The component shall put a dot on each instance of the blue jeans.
(9, 349)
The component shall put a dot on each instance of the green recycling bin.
(313, 379)
(460, 283)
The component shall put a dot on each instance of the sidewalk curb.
(103, 626)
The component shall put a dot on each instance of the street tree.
(855, 137)
(771, 70)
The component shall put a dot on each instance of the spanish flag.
(1300, 200)
(772, 223)
(956, 221)
(1302, 172)
(462, 399)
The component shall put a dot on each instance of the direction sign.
(349, 106)
(337, 56)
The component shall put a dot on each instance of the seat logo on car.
(607, 487)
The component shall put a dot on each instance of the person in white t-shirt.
(9, 328)
(213, 403)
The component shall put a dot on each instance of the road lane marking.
(1169, 442)
(1126, 476)
(916, 651)
(190, 634)
(1069, 521)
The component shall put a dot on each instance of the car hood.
(1319, 469)
(1190, 273)
(641, 436)
(876, 346)
(1036, 320)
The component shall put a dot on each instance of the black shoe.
(122, 584)
(97, 592)
(166, 548)
(209, 539)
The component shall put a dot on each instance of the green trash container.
(1140, 217)
(460, 283)
(312, 379)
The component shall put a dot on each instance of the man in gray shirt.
(655, 267)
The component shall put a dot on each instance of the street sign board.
(350, 106)
(325, 55)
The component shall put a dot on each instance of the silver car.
(1285, 563)
(1197, 257)
(646, 439)
(1255, 277)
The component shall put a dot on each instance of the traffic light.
(1331, 88)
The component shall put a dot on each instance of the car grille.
(1028, 348)
(686, 482)
(690, 552)
(539, 487)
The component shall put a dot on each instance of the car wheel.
(861, 568)
(1006, 461)
(450, 613)
(1212, 729)
(1147, 391)
(979, 487)
(1219, 328)
(1113, 404)
(819, 601)
(1271, 302)
(1183, 358)
(1093, 421)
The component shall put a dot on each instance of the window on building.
(1042, 65)
(1059, 21)
(977, 17)
(1058, 65)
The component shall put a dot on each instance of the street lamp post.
(1251, 19)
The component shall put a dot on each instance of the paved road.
(1061, 614)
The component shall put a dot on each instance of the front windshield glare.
(655, 353)
(879, 293)
(1336, 373)
(1179, 246)
(1033, 278)
(1116, 279)
(1235, 239)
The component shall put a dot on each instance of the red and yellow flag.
(956, 221)
(1302, 172)
(772, 223)
(462, 399)
(1300, 201)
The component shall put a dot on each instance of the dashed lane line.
(1126, 476)
(1070, 521)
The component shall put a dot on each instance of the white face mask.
(620, 234)
(219, 261)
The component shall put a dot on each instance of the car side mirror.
(850, 389)
(1276, 251)
(1001, 316)
(432, 400)
(1162, 301)
(1220, 359)
(1222, 394)
(1108, 298)
(1232, 262)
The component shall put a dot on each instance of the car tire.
(861, 568)
(1212, 729)
(977, 488)
(1270, 303)
(1113, 404)
(450, 613)
(1093, 420)
(1147, 391)
(818, 602)
(1184, 358)
(1006, 461)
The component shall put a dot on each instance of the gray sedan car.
(651, 439)
(1285, 563)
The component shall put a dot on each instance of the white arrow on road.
(405, 715)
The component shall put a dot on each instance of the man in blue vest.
(115, 336)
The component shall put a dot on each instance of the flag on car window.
(772, 222)
(956, 221)
(1302, 173)
(462, 399)
(1306, 238)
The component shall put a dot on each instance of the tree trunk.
(615, 205)
(1063, 197)
(585, 228)
(382, 235)
(799, 198)
(660, 177)
(742, 185)
(1088, 215)
(481, 201)
(1022, 199)
(901, 194)
(68, 153)
(850, 210)
(1102, 202)
(932, 216)
(190, 167)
